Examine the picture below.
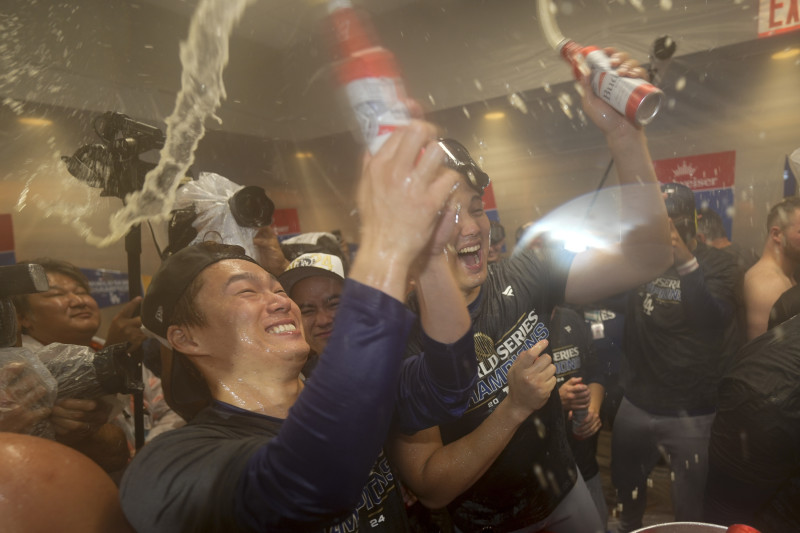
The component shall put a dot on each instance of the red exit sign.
(778, 16)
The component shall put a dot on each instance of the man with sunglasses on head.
(505, 465)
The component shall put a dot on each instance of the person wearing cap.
(680, 334)
(265, 450)
(315, 282)
(505, 465)
(776, 271)
(711, 231)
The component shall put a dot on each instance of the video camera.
(114, 166)
(16, 280)
(78, 370)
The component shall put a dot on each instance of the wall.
(733, 97)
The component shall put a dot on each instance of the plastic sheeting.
(21, 373)
(209, 195)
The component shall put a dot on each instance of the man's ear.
(776, 235)
(180, 337)
(24, 320)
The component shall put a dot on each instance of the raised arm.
(340, 421)
(436, 473)
(436, 384)
(644, 251)
(400, 198)
(442, 307)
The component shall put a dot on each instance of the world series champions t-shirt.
(212, 452)
(536, 469)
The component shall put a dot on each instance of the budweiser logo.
(684, 169)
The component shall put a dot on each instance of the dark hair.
(710, 224)
(186, 313)
(780, 212)
(498, 232)
(51, 266)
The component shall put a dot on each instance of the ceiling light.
(494, 115)
(304, 155)
(786, 53)
(33, 121)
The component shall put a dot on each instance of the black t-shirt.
(574, 358)
(536, 469)
(189, 477)
(754, 453)
(680, 332)
(787, 305)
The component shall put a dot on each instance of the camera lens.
(251, 208)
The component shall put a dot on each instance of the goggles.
(458, 158)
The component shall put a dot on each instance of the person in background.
(711, 231)
(47, 486)
(497, 242)
(754, 452)
(678, 328)
(344, 246)
(68, 314)
(579, 381)
(774, 273)
(606, 323)
(315, 282)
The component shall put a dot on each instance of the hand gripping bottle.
(636, 99)
(368, 73)
(578, 416)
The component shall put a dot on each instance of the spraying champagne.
(636, 99)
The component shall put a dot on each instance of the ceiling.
(122, 55)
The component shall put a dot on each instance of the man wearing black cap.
(246, 462)
(505, 465)
(679, 334)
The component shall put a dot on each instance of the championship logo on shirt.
(495, 359)
(660, 290)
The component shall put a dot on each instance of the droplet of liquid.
(516, 101)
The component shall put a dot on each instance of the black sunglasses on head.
(458, 158)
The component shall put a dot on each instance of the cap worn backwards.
(185, 389)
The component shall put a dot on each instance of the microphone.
(660, 55)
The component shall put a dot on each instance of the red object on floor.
(741, 528)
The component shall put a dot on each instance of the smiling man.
(264, 449)
(66, 313)
(315, 282)
(505, 465)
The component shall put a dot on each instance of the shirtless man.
(773, 274)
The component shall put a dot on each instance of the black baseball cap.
(679, 200)
(185, 389)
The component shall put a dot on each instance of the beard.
(791, 252)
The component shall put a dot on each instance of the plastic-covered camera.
(37, 380)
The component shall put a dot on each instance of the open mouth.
(282, 328)
(470, 256)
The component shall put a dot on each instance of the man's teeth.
(470, 249)
(283, 328)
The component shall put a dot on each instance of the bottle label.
(378, 107)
